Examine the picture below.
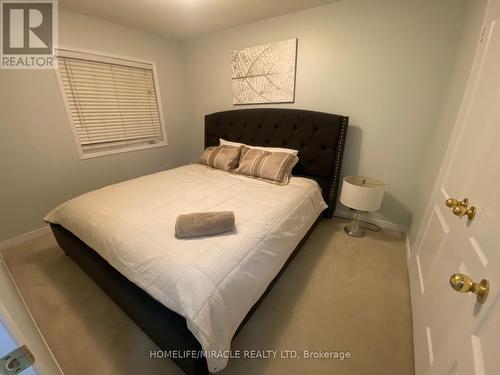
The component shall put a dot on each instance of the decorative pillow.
(221, 157)
(275, 167)
(224, 142)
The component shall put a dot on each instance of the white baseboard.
(384, 224)
(25, 237)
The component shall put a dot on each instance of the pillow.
(275, 167)
(223, 142)
(221, 157)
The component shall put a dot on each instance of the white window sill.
(119, 150)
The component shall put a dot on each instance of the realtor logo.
(29, 34)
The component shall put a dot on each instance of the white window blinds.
(113, 103)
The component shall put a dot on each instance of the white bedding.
(211, 281)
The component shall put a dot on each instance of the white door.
(453, 332)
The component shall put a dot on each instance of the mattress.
(211, 281)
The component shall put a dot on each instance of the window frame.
(99, 56)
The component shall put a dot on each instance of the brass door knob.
(461, 208)
(464, 284)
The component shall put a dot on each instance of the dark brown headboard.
(319, 137)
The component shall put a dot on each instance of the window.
(113, 103)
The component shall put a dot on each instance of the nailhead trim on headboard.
(332, 198)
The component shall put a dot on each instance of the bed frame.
(320, 139)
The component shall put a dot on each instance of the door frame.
(23, 328)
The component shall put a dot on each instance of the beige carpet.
(338, 294)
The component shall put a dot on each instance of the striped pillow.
(221, 157)
(275, 167)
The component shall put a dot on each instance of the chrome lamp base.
(354, 229)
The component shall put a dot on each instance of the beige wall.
(438, 136)
(39, 162)
(385, 63)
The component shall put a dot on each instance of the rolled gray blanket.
(204, 224)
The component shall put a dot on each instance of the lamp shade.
(362, 193)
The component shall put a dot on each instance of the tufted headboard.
(319, 137)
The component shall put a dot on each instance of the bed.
(193, 296)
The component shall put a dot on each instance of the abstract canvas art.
(264, 73)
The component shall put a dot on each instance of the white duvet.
(211, 281)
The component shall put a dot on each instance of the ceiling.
(183, 19)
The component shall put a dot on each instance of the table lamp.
(361, 194)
